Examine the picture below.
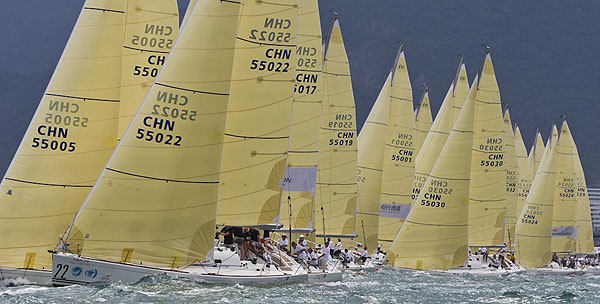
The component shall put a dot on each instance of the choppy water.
(384, 286)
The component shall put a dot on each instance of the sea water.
(383, 286)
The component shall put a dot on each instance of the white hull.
(354, 267)
(318, 276)
(563, 271)
(12, 276)
(70, 269)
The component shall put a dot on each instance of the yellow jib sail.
(564, 232)
(399, 156)
(155, 202)
(70, 138)
(436, 138)
(461, 89)
(533, 232)
(434, 236)
(523, 173)
(423, 120)
(487, 195)
(371, 146)
(151, 28)
(584, 242)
(511, 181)
(301, 172)
(336, 195)
(536, 152)
(258, 115)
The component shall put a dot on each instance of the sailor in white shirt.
(338, 248)
(325, 255)
(330, 246)
(302, 241)
(300, 251)
(282, 243)
(312, 258)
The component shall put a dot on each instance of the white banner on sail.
(299, 179)
(564, 231)
(393, 210)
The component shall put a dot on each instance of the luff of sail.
(188, 12)
(423, 120)
(434, 236)
(487, 194)
(151, 28)
(523, 172)
(301, 171)
(399, 156)
(536, 152)
(258, 115)
(584, 242)
(511, 181)
(155, 203)
(549, 142)
(371, 146)
(336, 193)
(436, 138)
(564, 232)
(533, 231)
(70, 138)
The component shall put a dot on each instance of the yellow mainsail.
(155, 202)
(301, 172)
(436, 138)
(511, 180)
(584, 242)
(151, 28)
(434, 236)
(564, 217)
(258, 115)
(536, 152)
(487, 195)
(423, 120)
(69, 140)
(371, 146)
(399, 155)
(551, 139)
(533, 232)
(335, 200)
(523, 172)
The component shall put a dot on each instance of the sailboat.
(154, 208)
(434, 235)
(423, 120)
(540, 230)
(399, 156)
(336, 194)
(75, 127)
(440, 129)
(299, 183)
(511, 181)
(523, 173)
(437, 236)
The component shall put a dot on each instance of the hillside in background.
(544, 54)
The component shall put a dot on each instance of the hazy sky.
(544, 53)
